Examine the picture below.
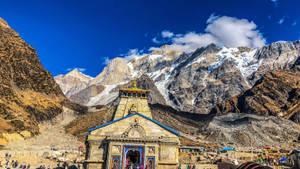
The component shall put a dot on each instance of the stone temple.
(133, 140)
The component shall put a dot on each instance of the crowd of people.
(268, 160)
(8, 163)
(11, 164)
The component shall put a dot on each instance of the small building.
(133, 138)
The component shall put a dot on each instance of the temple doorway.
(134, 157)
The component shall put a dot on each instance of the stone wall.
(165, 155)
(126, 102)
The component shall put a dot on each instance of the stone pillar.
(96, 155)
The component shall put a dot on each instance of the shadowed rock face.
(277, 93)
(28, 92)
(83, 96)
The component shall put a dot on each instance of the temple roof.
(134, 88)
(156, 122)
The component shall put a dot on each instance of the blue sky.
(86, 34)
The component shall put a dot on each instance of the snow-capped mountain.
(72, 82)
(193, 82)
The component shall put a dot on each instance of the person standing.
(16, 164)
(7, 162)
(65, 165)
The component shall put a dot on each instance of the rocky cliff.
(28, 92)
(277, 93)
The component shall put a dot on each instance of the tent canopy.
(283, 159)
(227, 149)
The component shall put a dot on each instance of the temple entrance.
(134, 157)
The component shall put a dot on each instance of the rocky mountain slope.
(197, 81)
(277, 93)
(28, 92)
(117, 71)
(242, 129)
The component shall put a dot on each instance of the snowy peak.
(77, 74)
(72, 82)
(117, 71)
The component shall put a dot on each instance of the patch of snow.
(105, 93)
(196, 61)
(154, 57)
(161, 86)
(105, 96)
(133, 72)
(245, 62)
(291, 59)
(193, 101)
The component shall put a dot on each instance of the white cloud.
(228, 31)
(212, 17)
(220, 30)
(106, 61)
(80, 69)
(275, 2)
(167, 34)
(281, 20)
(155, 40)
(133, 53)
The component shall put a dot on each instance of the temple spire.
(134, 83)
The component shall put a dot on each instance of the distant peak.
(77, 74)
(116, 61)
(75, 71)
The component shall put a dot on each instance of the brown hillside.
(28, 92)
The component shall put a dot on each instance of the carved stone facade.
(133, 140)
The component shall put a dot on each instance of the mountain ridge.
(196, 82)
